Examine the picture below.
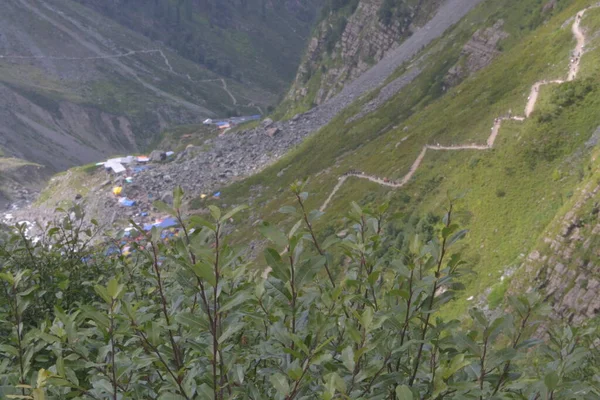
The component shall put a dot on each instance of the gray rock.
(267, 123)
(271, 132)
(167, 198)
(157, 156)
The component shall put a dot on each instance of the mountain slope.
(253, 41)
(510, 192)
(349, 40)
(77, 86)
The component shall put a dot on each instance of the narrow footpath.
(529, 108)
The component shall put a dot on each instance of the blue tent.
(164, 224)
(127, 203)
(168, 223)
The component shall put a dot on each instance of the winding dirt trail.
(228, 92)
(115, 57)
(529, 108)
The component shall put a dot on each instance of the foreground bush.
(195, 319)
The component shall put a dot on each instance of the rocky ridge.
(477, 53)
(363, 42)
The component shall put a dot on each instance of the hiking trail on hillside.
(529, 108)
(36, 9)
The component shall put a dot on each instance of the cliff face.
(348, 42)
(477, 53)
(564, 267)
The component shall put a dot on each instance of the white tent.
(117, 167)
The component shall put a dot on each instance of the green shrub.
(194, 319)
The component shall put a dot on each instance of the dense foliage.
(195, 319)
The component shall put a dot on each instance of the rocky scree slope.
(76, 87)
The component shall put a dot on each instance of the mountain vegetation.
(192, 318)
(511, 192)
(433, 240)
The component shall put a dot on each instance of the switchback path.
(529, 108)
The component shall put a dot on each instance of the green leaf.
(194, 322)
(177, 197)
(315, 215)
(403, 393)
(551, 380)
(205, 392)
(5, 348)
(456, 237)
(457, 363)
(231, 213)
(113, 289)
(196, 221)
(230, 331)
(415, 245)
(366, 319)
(274, 261)
(348, 358)
(164, 208)
(103, 293)
(288, 210)
(215, 212)
(274, 235)
(7, 277)
(205, 271)
(280, 384)
(235, 301)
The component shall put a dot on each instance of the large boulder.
(267, 123)
(157, 156)
(271, 132)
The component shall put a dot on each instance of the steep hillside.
(352, 37)
(252, 41)
(509, 142)
(76, 86)
(512, 183)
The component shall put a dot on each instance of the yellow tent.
(117, 190)
(203, 196)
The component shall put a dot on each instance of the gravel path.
(529, 108)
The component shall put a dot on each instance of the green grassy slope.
(512, 192)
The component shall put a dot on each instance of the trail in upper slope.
(228, 92)
(123, 55)
(113, 59)
(529, 108)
